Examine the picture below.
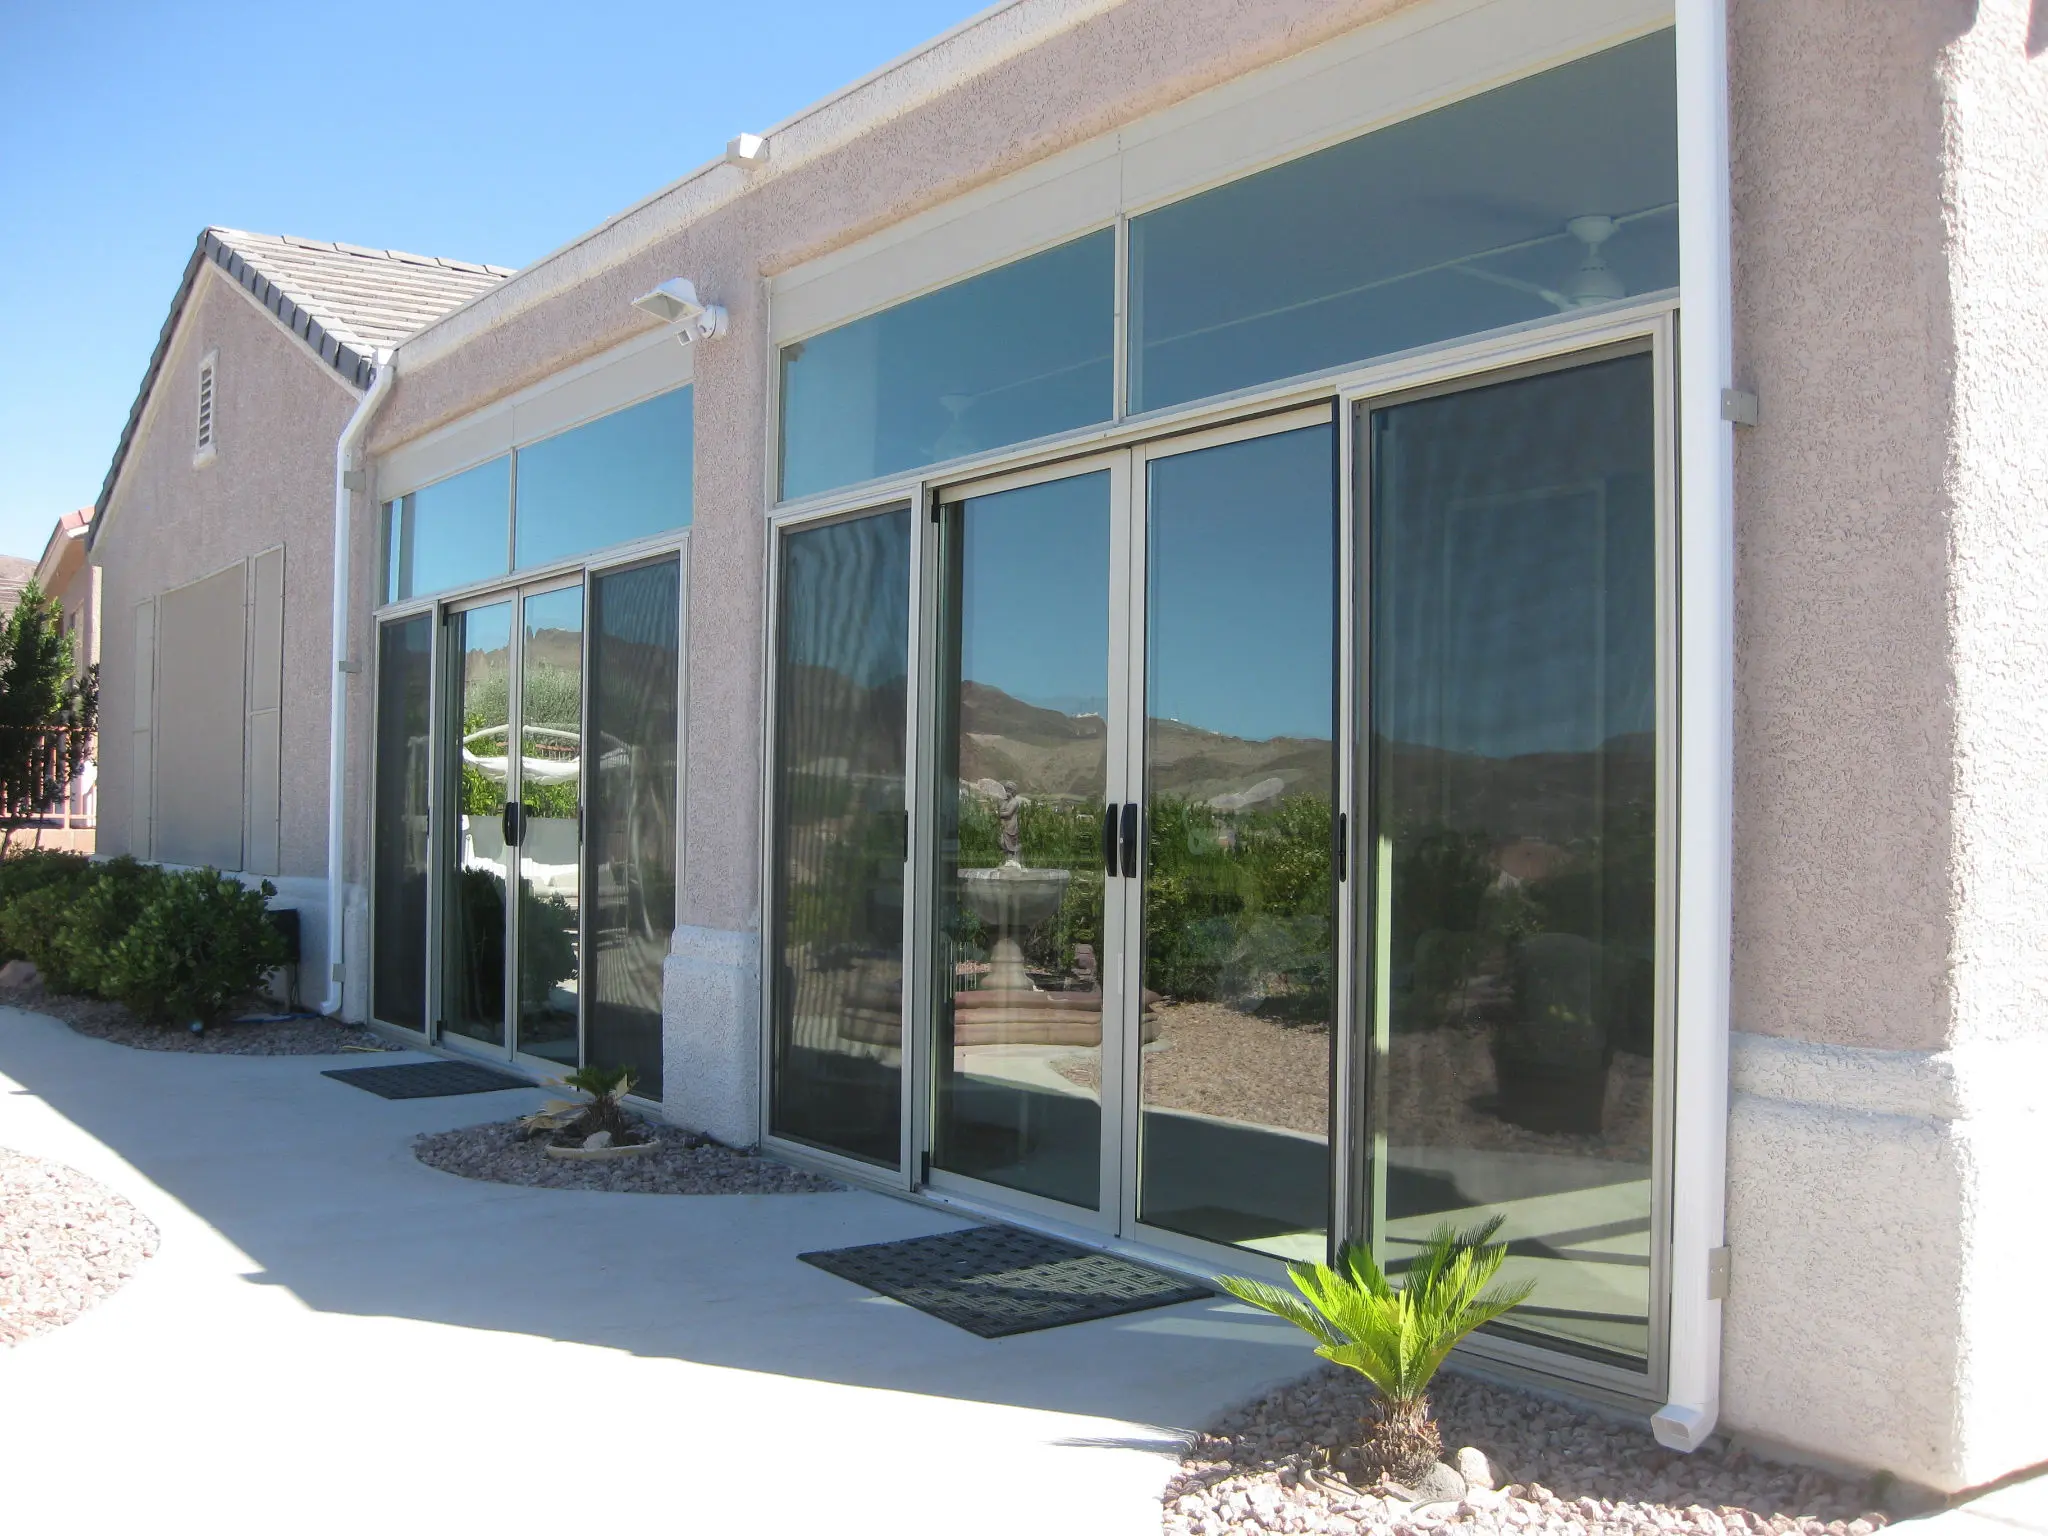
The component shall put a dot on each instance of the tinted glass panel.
(449, 534)
(843, 664)
(405, 655)
(1524, 202)
(550, 766)
(624, 476)
(1240, 892)
(1013, 354)
(1023, 777)
(630, 889)
(1514, 720)
(480, 685)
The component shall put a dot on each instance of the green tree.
(47, 711)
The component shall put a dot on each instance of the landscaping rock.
(19, 973)
(682, 1163)
(310, 1036)
(1585, 1473)
(66, 1241)
(1473, 1466)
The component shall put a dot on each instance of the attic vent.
(202, 437)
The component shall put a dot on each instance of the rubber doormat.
(426, 1079)
(996, 1281)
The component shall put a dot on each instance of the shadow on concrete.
(315, 1182)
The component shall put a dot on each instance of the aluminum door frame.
(921, 1064)
(448, 740)
(1211, 1256)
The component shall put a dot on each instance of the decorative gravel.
(65, 1242)
(1559, 1469)
(687, 1164)
(102, 1020)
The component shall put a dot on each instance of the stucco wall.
(278, 410)
(1890, 171)
(1888, 180)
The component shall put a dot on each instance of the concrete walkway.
(333, 1337)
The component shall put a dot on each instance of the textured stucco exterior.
(1890, 186)
(278, 410)
(1889, 171)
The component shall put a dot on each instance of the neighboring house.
(15, 574)
(65, 573)
(213, 541)
(1175, 664)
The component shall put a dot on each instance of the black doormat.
(995, 1281)
(426, 1079)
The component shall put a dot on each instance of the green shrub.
(105, 905)
(201, 943)
(24, 873)
(1395, 1337)
(31, 926)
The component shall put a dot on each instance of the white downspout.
(382, 373)
(1706, 724)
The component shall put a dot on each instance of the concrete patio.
(333, 1337)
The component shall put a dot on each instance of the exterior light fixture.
(674, 301)
(747, 150)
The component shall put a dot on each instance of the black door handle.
(1109, 839)
(513, 822)
(1130, 839)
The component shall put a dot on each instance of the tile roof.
(16, 572)
(363, 298)
(347, 302)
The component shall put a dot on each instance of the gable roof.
(346, 302)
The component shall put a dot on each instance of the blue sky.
(490, 133)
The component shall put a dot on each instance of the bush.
(104, 906)
(201, 943)
(22, 874)
(31, 925)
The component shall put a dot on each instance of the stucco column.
(1890, 172)
(711, 1011)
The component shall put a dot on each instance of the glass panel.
(624, 476)
(635, 723)
(1016, 353)
(446, 535)
(550, 788)
(473, 967)
(1022, 781)
(1240, 892)
(842, 680)
(405, 676)
(1530, 200)
(1514, 648)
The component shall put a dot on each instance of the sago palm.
(1395, 1336)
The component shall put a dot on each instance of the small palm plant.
(602, 1108)
(1395, 1337)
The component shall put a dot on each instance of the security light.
(747, 150)
(674, 301)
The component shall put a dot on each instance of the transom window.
(1551, 194)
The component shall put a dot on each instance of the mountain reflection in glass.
(1514, 655)
(1239, 896)
(1024, 696)
(837, 806)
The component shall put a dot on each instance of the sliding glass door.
(1516, 740)
(1133, 916)
(1209, 872)
(1238, 784)
(840, 823)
